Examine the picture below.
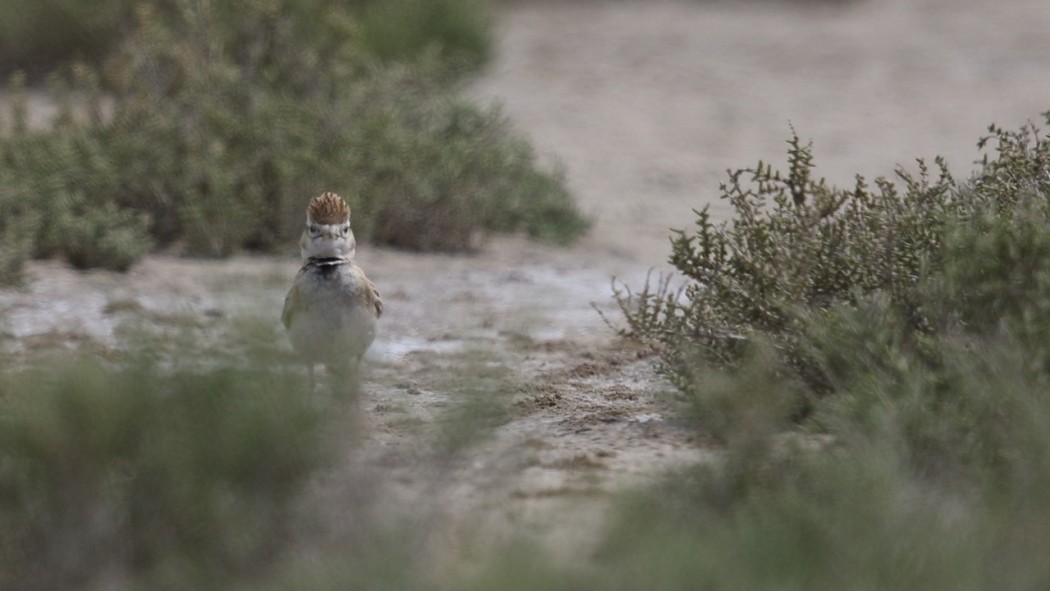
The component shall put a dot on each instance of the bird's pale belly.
(332, 329)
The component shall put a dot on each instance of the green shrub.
(423, 169)
(37, 35)
(994, 275)
(61, 185)
(165, 478)
(402, 31)
(40, 37)
(220, 124)
(19, 224)
(106, 237)
(439, 174)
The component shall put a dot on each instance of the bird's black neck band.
(326, 261)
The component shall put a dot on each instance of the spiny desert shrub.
(158, 477)
(1016, 172)
(794, 242)
(796, 247)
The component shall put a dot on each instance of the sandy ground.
(647, 104)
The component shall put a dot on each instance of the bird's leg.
(346, 387)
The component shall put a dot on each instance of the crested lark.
(331, 311)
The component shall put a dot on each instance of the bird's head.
(327, 233)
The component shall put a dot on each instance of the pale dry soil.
(647, 104)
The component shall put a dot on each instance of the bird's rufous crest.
(328, 208)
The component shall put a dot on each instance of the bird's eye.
(346, 229)
(314, 230)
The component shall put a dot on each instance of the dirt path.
(647, 103)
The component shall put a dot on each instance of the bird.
(332, 310)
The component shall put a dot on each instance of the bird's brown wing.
(286, 314)
(367, 294)
(376, 300)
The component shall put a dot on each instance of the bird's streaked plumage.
(332, 309)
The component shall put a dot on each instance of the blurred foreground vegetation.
(144, 478)
(207, 126)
